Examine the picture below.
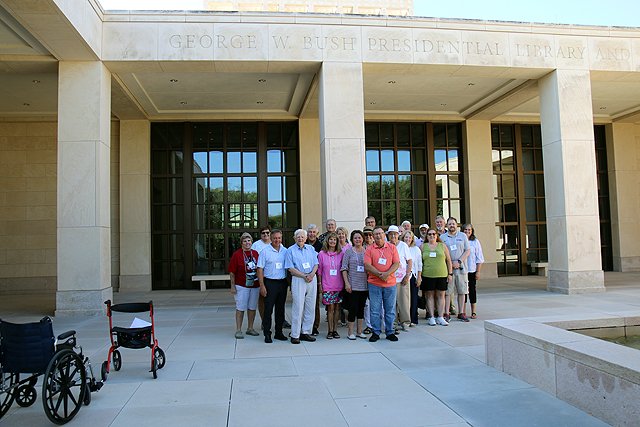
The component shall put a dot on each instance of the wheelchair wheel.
(159, 356)
(104, 371)
(64, 386)
(7, 392)
(117, 360)
(26, 395)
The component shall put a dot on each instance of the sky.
(622, 13)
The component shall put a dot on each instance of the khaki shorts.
(459, 283)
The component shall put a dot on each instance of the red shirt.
(373, 255)
(238, 266)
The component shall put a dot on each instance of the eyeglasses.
(266, 232)
(431, 234)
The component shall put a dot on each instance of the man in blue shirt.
(302, 262)
(272, 277)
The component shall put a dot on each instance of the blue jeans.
(380, 297)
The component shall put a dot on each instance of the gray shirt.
(457, 245)
(353, 264)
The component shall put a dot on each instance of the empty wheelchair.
(30, 350)
(134, 338)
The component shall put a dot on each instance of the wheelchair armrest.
(66, 335)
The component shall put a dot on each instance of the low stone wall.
(599, 377)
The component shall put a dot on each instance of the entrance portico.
(330, 78)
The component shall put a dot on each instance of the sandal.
(473, 315)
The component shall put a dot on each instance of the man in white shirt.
(403, 277)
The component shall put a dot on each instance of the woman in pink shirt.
(329, 263)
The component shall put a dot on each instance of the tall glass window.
(603, 198)
(505, 199)
(240, 176)
(519, 197)
(413, 171)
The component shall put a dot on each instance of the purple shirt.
(329, 264)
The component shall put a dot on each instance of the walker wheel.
(26, 395)
(160, 357)
(117, 360)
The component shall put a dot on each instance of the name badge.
(360, 268)
(333, 272)
(278, 266)
(432, 254)
(382, 261)
(251, 265)
(306, 265)
(453, 247)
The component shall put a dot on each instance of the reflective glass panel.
(234, 189)
(404, 160)
(388, 187)
(387, 160)
(216, 162)
(373, 187)
(200, 162)
(233, 162)
(404, 187)
(373, 161)
(274, 161)
(250, 189)
(249, 162)
(274, 188)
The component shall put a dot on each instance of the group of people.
(373, 274)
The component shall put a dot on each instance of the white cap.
(393, 228)
(424, 226)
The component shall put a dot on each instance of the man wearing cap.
(302, 262)
(244, 287)
(458, 245)
(423, 235)
(403, 276)
(273, 285)
(381, 260)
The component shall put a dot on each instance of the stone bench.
(203, 279)
(541, 267)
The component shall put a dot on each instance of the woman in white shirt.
(474, 264)
(416, 273)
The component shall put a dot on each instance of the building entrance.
(211, 182)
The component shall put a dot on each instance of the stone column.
(311, 205)
(342, 153)
(84, 241)
(573, 228)
(135, 202)
(479, 191)
(623, 152)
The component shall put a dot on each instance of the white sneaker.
(440, 321)
(432, 321)
(352, 337)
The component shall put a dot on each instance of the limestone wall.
(28, 181)
(28, 206)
